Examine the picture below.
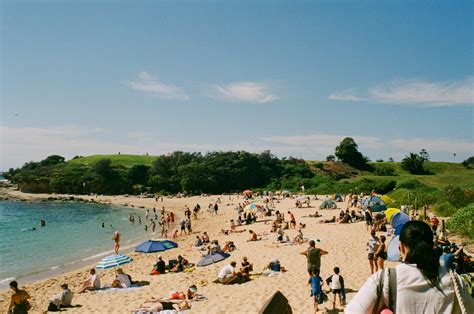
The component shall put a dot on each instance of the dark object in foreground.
(277, 304)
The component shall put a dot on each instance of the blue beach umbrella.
(212, 258)
(113, 261)
(151, 246)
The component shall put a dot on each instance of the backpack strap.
(392, 289)
(379, 292)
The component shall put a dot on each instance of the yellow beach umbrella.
(390, 212)
(386, 199)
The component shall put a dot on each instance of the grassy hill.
(117, 160)
(443, 173)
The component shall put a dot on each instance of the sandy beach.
(346, 244)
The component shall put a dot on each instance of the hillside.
(443, 173)
(117, 160)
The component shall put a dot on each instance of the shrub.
(444, 209)
(462, 222)
(384, 170)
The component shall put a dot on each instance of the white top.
(414, 295)
(95, 281)
(124, 280)
(226, 271)
(335, 282)
(373, 244)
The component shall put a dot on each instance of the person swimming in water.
(42, 222)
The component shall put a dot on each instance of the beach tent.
(398, 220)
(113, 261)
(393, 251)
(151, 246)
(375, 203)
(386, 199)
(337, 197)
(212, 258)
(327, 204)
(247, 192)
(390, 212)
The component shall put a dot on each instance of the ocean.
(73, 235)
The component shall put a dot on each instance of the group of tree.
(194, 173)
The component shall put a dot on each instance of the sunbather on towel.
(157, 306)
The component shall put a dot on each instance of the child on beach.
(336, 283)
(316, 291)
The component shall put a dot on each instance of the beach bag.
(392, 292)
(54, 305)
(458, 297)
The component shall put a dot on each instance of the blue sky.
(295, 77)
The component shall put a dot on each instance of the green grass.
(443, 174)
(117, 160)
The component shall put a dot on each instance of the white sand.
(346, 245)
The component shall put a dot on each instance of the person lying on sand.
(328, 221)
(190, 294)
(158, 306)
(315, 215)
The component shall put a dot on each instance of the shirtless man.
(18, 302)
(116, 238)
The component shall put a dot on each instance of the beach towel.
(109, 290)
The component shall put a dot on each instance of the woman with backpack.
(418, 285)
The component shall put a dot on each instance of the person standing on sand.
(313, 256)
(153, 225)
(372, 247)
(116, 238)
(18, 303)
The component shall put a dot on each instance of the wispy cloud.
(434, 145)
(149, 84)
(349, 94)
(415, 92)
(244, 91)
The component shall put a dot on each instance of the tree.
(413, 163)
(390, 159)
(424, 155)
(52, 160)
(331, 158)
(468, 163)
(379, 160)
(347, 152)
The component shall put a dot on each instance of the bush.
(462, 222)
(444, 209)
(384, 170)
(419, 197)
(410, 184)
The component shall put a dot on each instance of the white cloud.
(416, 92)
(447, 145)
(346, 95)
(147, 83)
(244, 91)
(20, 145)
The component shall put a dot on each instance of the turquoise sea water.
(73, 233)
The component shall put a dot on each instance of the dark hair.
(64, 286)
(233, 263)
(312, 243)
(418, 237)
(336, 270)
(14, 285)
(382, 239)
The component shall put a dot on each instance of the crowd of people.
(424, 275)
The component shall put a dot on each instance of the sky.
(292, 77)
